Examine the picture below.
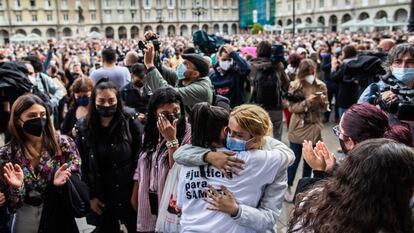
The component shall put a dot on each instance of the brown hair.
(80, 85)
(19, 137)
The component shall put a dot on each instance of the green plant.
(257, 28)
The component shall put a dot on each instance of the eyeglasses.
(337, 131)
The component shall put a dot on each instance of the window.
(1, 4)
(170, 15)
(32, 3)
(92, 4)
(49, 17)
(1, 15)
(34, 18)
(147, 3)
(107, 15)
(64, 4)
(348, 2)
(120, 3)
(93, 16)
(17, 3)
(107, 3)
(224, 2)
(48, 3)
(182, 4)
(121, 15)
(18, 18)
(290, 7)
(233, 3)
(170, 3)
(298, 6)
(132, 2)
(147, 15)
(65, 17)
(183, 14)
(132, 14)
(321, 3)
(205, 3)
(159, 15)
(158, 3)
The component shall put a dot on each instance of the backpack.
(268, 90)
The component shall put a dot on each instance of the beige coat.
(305, 123)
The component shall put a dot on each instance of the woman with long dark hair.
(370, 192)
(109, 141)
(165, 131)
(35, 165)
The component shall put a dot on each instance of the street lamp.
(410, 26)
(294, 17)
(198, 10)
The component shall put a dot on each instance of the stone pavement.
(331, 141)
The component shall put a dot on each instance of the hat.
(199, 62)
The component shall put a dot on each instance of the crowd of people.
(164, 135)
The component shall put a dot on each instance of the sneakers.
(289, 195)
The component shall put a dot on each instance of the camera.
(277, 54)
(403, 108)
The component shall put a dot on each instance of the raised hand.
(13, 175)
(311, 156)
(62, 175)
(328, 157)
(167, 130)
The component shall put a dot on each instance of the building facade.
(116, 19)
(331, 14)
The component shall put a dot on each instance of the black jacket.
(348, 90)
(231, 83)
(69, 122)
(109, 158)
(133, 98)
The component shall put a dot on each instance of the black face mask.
(35, 126)
(343, 147)
(82, 101)
(106, 111)
(172, 118)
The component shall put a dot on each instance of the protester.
(120, 76)
(247, 131)
(230, 75)
(374, 181)
(166, 130)
(109, 140)
(308, 98)
(35, 165)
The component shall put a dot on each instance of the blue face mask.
(82, 101)
(338, 50)
(181, 71)
(235, 144)
(404, 75)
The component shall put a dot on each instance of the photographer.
(400, 79)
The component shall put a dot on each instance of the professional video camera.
(403, 107)
(277, 54)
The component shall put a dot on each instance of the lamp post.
(160, 20)
(294, 17)
(410, 26)
(198, 10)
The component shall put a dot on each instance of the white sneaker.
(289, 195)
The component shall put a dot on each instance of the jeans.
(277, 120)
(307, 170)
(341, 111)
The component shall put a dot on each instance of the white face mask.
(225, 65)
(310, 79)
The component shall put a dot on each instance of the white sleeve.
(180, 188)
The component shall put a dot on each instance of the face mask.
(106, 111)
(324, 54)
(225, 65)
(404, 75)
(310, 79)
(181, 69)
(82, 101)
(235, 144)
(338, 50)
(343, 147)
(172, 118)
(35, 126)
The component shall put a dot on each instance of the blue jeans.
(307, 170)
(341, 111)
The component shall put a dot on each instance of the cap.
(199, 62)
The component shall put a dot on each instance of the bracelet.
(173, 143)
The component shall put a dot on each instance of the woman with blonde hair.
(306, 98)
(253, 179)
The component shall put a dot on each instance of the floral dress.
(37, 182)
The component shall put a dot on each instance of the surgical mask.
(82, 101)
(225, 65)
(310, 79)
(35, 126)
(181, 69)
(105, 111)
(235, 144)
(404, 75)
(338, 50)
(172, 118)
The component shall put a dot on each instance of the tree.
(257, 28)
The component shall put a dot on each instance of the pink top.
(154, 178)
